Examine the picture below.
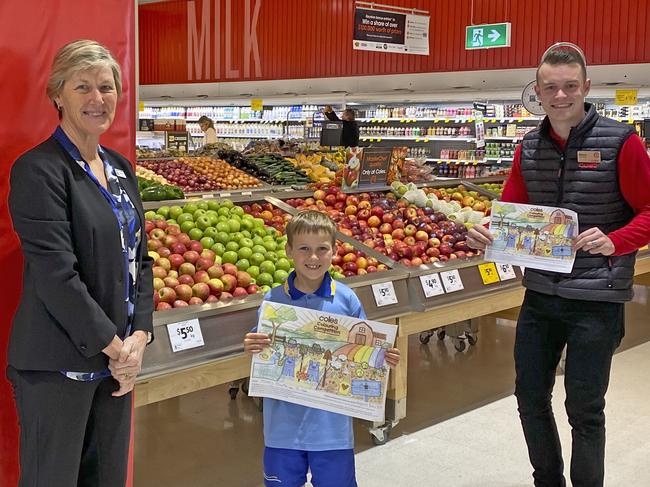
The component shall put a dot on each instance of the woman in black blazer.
(85, 315)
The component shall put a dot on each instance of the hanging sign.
(626, 97)
(381, 30)
(256, 105)
(486, 36)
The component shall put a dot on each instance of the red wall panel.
(27, 46)
(312, 39)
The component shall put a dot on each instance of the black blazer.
(350, 134)
(73, 285)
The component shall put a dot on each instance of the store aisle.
(461, 430)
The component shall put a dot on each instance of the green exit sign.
(487, 36)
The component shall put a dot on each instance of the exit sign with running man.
(487, 36)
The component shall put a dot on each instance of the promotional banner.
(381, 30)
(367, 167)
(32, 31)
(323, 360)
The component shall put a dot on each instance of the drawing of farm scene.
(533, 231)
(317, 351)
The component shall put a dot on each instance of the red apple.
(208, 254)
(187, 268)
(154, 244)
(416, 261)
(178, 248)
(180, 304)
(374, 221)
(148, 226)
(167, 295)
(161, 306)
(184, 238)
(434, 242)
(195, 300)
(229, 282)
(201, 290)
(225, 296)
(319, 194)
(410, 229)
(161, 224)
(422, 236)
(330, 199)
(350, 210)
(254, 288)
(350, 266)
(351, 257)
(215, 271)
(409, 240)
(158, 283)
(196, 246)
(159, 272)
(201, 276)
(243, 279)
(171, 282)
(398, 233)
(212, 299)
(433, 252)
(216, 286)
(239, 292)
(157, 234)
(230, 269)
(173, 230)
(186, 279)
(204, 263)
(362, 214)
(164, 252)
(191, 256)
(183, 291)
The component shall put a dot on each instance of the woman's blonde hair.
(80, 56)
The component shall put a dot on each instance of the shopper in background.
(210, 134)
(350, 135)
(599, 168)
(299, 438)
(86, 307)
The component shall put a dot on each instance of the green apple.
(218, 248)
(175, 211)
(206, 242)
(164, 211)
(195, 234)
(243, 264)
(187, 226)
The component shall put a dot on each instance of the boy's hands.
(256, 342)
(392, 357)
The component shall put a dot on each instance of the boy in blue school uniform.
(299, 438)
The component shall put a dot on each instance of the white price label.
(207, 196)
(246, 193)
(185, 335)
(506, 272)
(384, 294)
(224, 195)
(451, 281)
(431, 285)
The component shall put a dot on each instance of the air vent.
(461, 87)
(166, 97)
(338, 91)
(245, 94)
(201, 96)
(612, 83)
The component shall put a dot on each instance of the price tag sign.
(185, 335)
(384, 294)
(489, 273)
(224, 195)
(506, 272)
(207, 196)
(431, 285)
(451, 281)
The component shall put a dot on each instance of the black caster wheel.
(471, 339)
(424, 337)
(459, 345)
(233, 392)
(441, 334)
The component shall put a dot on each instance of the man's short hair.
(563, 56)
(311, 221)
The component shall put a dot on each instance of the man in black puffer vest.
(599, 168)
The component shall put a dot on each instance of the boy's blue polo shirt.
(297, 427)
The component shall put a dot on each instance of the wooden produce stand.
(167, 374)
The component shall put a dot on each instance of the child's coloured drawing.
(539, 237)
(323, 360)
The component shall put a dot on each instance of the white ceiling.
(457, 86)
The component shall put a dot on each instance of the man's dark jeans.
(591, 331)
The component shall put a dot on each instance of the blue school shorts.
(288, 468)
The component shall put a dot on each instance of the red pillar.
(32, 31)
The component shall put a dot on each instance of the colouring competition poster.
(323, 360)
(539, 237)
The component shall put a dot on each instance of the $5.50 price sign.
(384, 294)
(185, 335)
(451, 281)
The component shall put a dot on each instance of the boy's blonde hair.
(310, 221)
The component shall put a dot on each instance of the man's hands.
(256, 342)
(594, 241)
(478, 237)
(126, 365)
(392, 357)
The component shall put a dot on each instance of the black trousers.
(591, 331)
(72, 433)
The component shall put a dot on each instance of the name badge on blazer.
(120, 173)
(588, 159)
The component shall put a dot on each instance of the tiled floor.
(461, 428)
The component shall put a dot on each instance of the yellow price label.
(520, 120)
(417, 139)
(373, 120)
(378, 140)
(256, 105)
(141, 106)
(489, 273)
(626, 97)
(402, 120)
(436, 120)
(630, 121)
(426, 140)
(446, 120)
(470, 119)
